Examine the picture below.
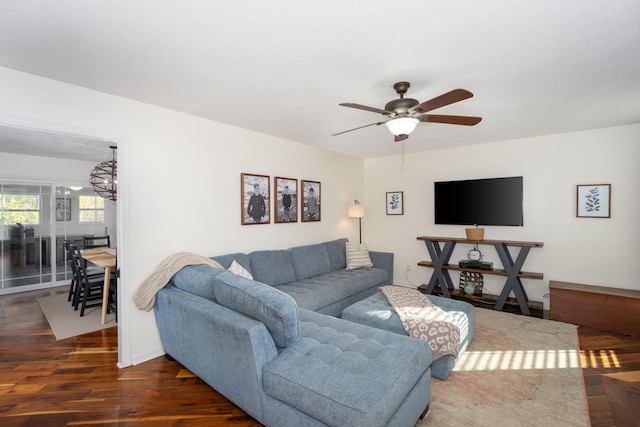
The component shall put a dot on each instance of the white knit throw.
(145, 296)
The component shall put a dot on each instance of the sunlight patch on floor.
(599, 359)
(515, 360)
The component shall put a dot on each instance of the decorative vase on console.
(469, 288)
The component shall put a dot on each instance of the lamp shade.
(402, 125)
(355, 211)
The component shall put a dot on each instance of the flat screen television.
(493, 201)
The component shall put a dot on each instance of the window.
(21, 209)
(91, 209)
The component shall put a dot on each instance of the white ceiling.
(281, 67)
(18, 139)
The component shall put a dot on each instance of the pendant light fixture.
(104, 178)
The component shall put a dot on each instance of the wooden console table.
(511, 269)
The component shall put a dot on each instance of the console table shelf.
(512, 269)
(489, 300)
(495, 271)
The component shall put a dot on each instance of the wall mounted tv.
(494, 201)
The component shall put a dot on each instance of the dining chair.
(91, 287)
(74, 279)
(91, 276)
(89, 242)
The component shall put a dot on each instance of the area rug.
(66, 322)
(518, 371)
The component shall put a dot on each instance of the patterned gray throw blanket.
(424, 320)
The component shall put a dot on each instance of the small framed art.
(254, 199)
(395, 203)
(63, 209)
(310, 201)
(593, 201)
(285, 196)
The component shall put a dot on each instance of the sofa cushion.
(310, 260)
(277, 310)
(337, 254)
(344, 374)
(197, 279)
(227, 260)
(320, 291)
(357, 256)
(273, 267)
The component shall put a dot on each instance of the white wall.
(179, 184)
(583, 250)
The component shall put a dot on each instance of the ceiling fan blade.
(442, 100)
(401, 137)
(364, 107)
(370, 124)
(452, 120)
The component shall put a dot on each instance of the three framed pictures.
(255, 200)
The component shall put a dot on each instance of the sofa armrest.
(224, 348)
(383, 260)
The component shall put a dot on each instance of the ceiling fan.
(405, 113)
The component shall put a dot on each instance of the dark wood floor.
(44, 382)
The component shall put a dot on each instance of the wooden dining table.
(104, 258)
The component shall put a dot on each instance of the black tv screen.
(494, 201)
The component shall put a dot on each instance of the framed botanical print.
(593, 201)
(310, 201)
(395, 203)
(285, 198)
(254, 199)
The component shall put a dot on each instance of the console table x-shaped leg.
(513, 282)
(439, 258)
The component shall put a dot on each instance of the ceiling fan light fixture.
(402, 125)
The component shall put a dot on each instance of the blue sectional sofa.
(273, 346)
(316, 275)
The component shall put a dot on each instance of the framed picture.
(593, 201)
(395, 203)
(310, 201)
(285, 196)
(63, 209)
(254, 199)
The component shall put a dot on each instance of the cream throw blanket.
(145, 296)
(424, 320)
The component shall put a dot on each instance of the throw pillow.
(357, 256)
(236, 268)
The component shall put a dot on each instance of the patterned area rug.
(518, 371)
